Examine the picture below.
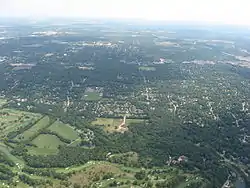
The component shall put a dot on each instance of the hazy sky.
(226, 11)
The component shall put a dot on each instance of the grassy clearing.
(95, 172)
(75, 168)
(145, 68)
(35, 128)
(85, 166)
(41, 151)
(47, 141)
(103, 121)
(64, 130)
(111, 124)
(11, 120)
(92, 96)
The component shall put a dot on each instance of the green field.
(11, 120)
(111, 124)
(26, 135)
(2, 102)
(92, 96)
(41, 151)
(47, 141)
(103, 121)
(145, 68)
(64, 130)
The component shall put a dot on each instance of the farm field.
(92, 96)
(64, 130)
(112, 124)
(44, 122)
(12, 119)
(47, 141)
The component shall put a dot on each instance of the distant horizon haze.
(198, 11)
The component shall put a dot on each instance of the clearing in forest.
(64, 130)
(92, 96)
(145, 68)
(47, 141)
(43, 123)
(11, 120)
(111, 125)
(41, 151)
(97, 172)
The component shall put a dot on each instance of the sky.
(216, 11)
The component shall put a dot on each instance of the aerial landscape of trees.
(145, 109)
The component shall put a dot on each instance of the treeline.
(45, 172)
(171, 183)
(6, 173)
(46, 131)
(120, 117)
(125, 159)
(20, 130)
(19, 150)
(5, 160)
(34, 182)
(67, 156)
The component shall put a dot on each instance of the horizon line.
(85, 18)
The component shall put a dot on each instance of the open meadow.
(111, 125)
(47, 141)
(64, 130)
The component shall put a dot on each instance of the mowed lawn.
(111, 124)
(11, 120)
(26, 135)
(64, 130)
(47, 141)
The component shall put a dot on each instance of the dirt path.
(122, 127)
(74, 141)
